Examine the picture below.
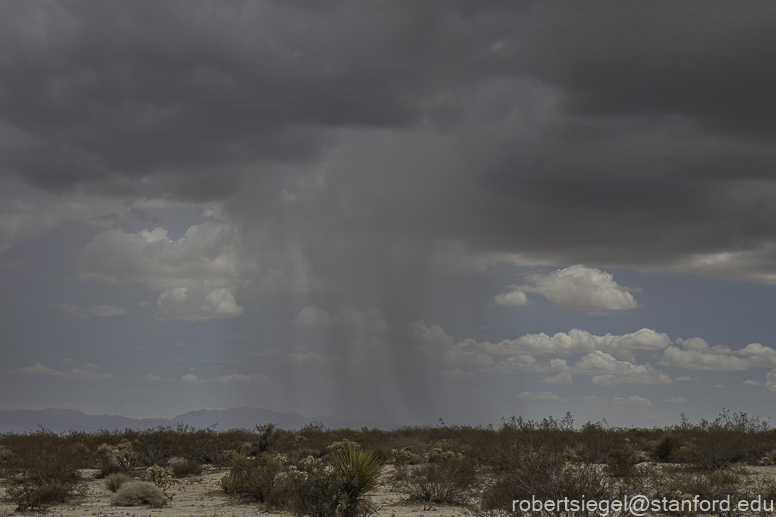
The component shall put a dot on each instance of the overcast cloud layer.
(389, 210)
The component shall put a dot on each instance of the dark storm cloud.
(615, 134)
(707, 61)
(111, 93)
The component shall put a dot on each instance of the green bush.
(333, 489)
(666, 448)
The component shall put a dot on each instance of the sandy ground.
(200, 496)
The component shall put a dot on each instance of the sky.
(396, 211)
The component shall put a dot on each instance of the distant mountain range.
(62, 420)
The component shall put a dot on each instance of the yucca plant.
(359, 471)
(268, 435)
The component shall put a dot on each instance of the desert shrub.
(714, 449)
(666, 448)
(333, 489)
(402, 458)
(37, 497)
(117, 459)
(126, 459)
(161, 477)
(728, 439)
(155, 447)
(344, 446)
(379, 454)
(139, 493)
(210, 449)
(182, 467)
(252, 479)
(314, 491)
(268, 435)
(595, 441)
(620, 462)
(447, 477)
(523, 473)
(114, 481)
(715, 485)
(43, 470)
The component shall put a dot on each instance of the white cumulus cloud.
(606, 369)
(697, 354)
(608, 358)
(770, 382)
(207, 252)
(578, 341)
(576, 287)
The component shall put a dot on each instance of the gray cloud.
(315, 175)
(147, 98)
(698, 61)
(608, 136)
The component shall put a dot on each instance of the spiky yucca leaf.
(360, 471)
(269, 433)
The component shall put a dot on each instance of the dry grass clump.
(182, 467)
(139, 493)
(114, 481)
